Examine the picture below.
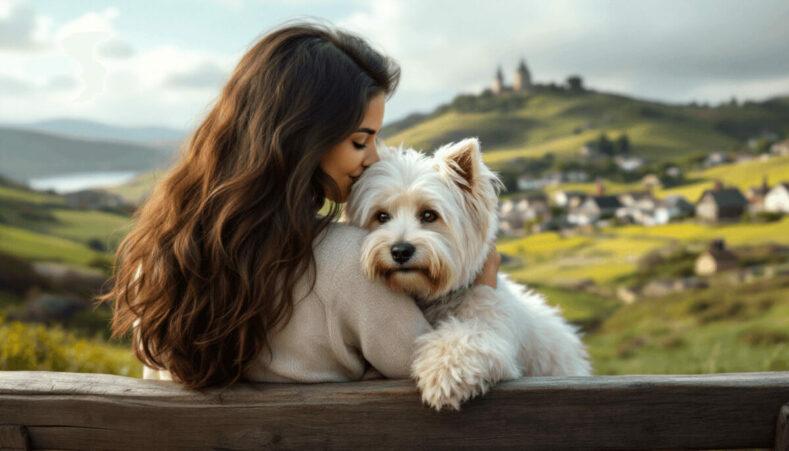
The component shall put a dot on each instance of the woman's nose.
(372, 155)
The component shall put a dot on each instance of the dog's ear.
(463, 162)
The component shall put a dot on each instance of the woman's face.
(346, 161)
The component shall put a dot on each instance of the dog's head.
(432, 220)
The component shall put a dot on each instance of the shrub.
(33, 347)
(17, 276)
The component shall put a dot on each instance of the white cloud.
(668, 51)
(21, 28)
(206, 75)
(681, 51)
(88, 69)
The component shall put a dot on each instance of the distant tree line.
(604, 146)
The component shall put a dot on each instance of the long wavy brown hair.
(210, 264)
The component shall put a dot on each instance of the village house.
(577, 176)
(629, 164)
(678, 207)
(651, 182)
(530, 183)
(674, 172)
(715, 259)
(569, 199)
(593, 209)
(515, 212)
(780, 148)
(94, 199)
(640, 207)
(777, 199)
(638, 199)
(756, 195)
(721, 204)
(715, 159)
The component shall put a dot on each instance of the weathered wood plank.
(13, 437)
(782, 429)
(74, 411)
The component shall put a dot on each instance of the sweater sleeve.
(380, 324)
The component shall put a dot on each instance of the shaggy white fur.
(432, 223)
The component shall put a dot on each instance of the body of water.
(69, 183)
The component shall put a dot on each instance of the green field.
(724, 328)
(38, 226)
(41, 247)
(737, 329)
(548, 258)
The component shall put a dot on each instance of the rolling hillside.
(92, 130)
(512, 125)
(28, 154)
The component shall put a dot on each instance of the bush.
(97, 245)
(17, 276)
(31, 347)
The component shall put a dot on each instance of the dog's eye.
(428, 216)
(382, 217)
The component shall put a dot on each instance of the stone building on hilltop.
(522, 82)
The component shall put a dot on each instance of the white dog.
(432, 223)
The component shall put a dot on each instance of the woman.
(230, 272)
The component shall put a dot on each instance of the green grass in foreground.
(583, 309)
(719, 330)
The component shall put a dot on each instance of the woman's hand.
(490, 270)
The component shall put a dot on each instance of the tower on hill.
(498, 82)
(522, 78)
(521, 84)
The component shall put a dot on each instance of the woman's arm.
(380, 324)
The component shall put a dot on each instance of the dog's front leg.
(466, 354)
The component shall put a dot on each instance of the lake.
(68, 183)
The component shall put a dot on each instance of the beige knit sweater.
(343, 327)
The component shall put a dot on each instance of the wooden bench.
(50, 410)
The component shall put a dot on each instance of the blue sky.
(163, 63)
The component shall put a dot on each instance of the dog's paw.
(446, 378)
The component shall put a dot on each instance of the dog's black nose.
(402, 252)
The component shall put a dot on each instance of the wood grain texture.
(78, 411)
(13, 437)
(782, 429)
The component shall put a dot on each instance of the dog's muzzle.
(402, 252)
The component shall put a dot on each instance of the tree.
(622, 145)
(575, 83)
(604, 145)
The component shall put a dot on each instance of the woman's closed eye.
(359, 145)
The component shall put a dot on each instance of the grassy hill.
(28, 154)
(732, 329)
(512, 125)
(40, 227)
(93, 130)
(741, 175)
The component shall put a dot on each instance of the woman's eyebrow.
(369, 131)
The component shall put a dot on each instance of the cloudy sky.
(141, 62)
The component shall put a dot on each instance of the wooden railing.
(49, 410)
